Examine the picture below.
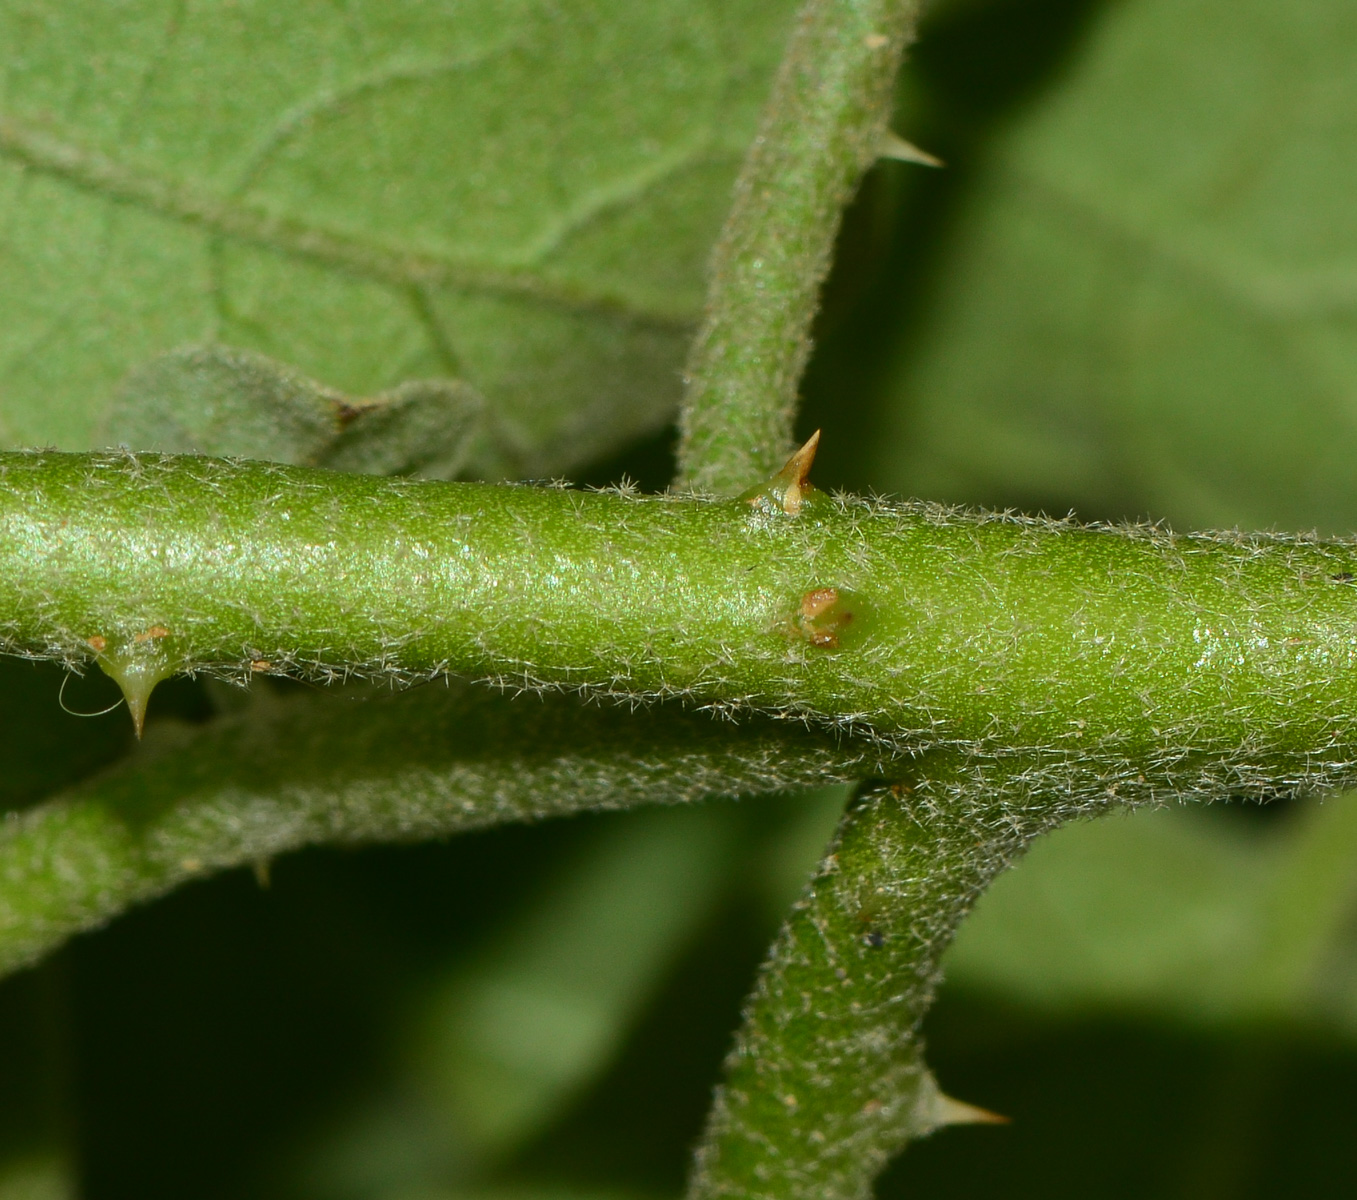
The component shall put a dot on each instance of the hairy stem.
(316, 768)
(1013, 672)
(827, 1078)
(1130, 659)
(823, 127)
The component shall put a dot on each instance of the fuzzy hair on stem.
(288, 772)
(824, 124)
(1014, 672)
(1125, 662)
(827, 1080)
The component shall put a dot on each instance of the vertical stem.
(827, 1079)
(821, 130)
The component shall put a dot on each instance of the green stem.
(827, 1078)
(1129, 662)
(322, 768)
(822, 128)
(1040, 669)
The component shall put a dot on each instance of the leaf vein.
(41, 151)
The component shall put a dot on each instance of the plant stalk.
(1134, 661)
(338, 768)
(827, 1079)
(824, 125)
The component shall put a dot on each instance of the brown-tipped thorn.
(795, 476)
(798, 466)
(958, 1112)
(790, 488)
(137, 707)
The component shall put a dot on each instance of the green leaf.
(400, 190)
(214, 400)
(429, 427)
(1183, 913)
(511, 1037)
(1153, 911)
(505, 1038)
(1148, 301)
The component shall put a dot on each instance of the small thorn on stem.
(789, 489)
(137, 693)
(892, 145)
(797, 474)
(948, 1111)
(137, 675)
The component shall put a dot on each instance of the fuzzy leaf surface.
(403, 191)
(215, 400)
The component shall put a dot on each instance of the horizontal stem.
(332, 767)
(1119, 660)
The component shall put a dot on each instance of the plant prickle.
(1120, 662)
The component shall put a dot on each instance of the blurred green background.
(1132, 293)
